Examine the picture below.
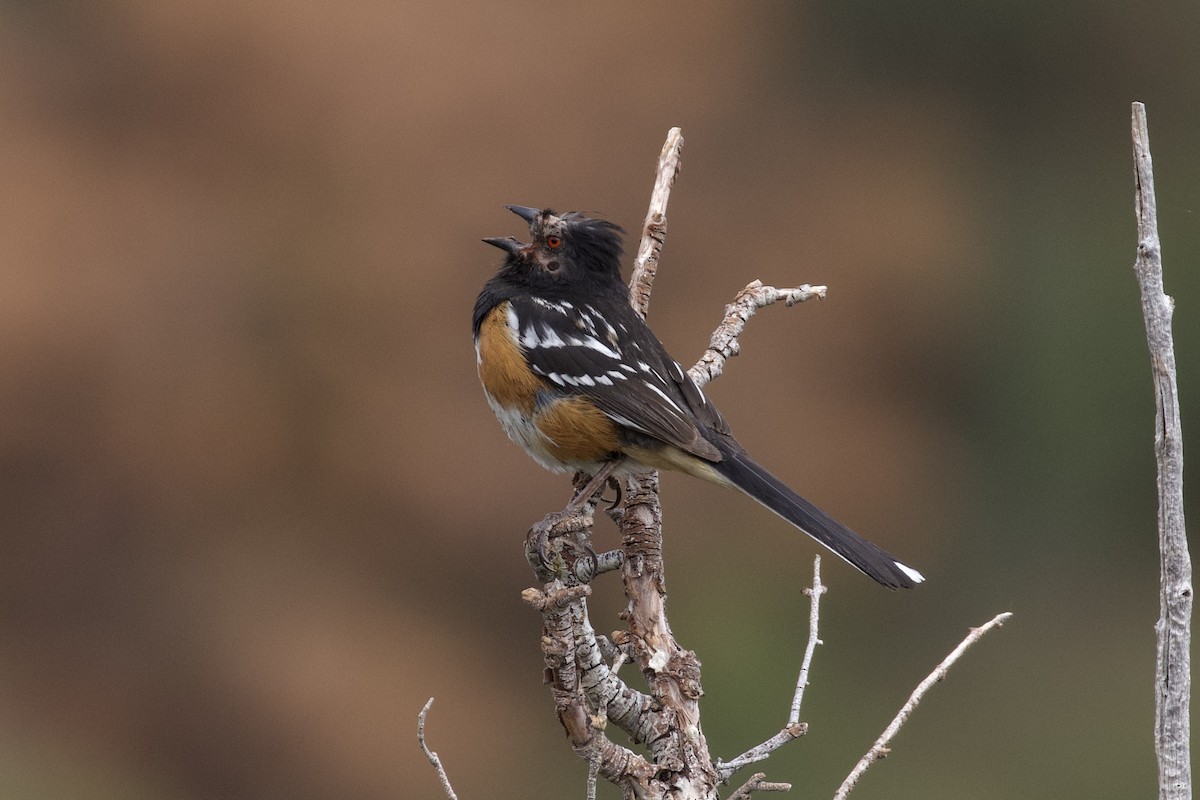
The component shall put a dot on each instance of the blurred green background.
(256, 511)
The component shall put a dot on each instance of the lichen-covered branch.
(672, 673)
(564, 616)
(724, 341)
(1173, 675)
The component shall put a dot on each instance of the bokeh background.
(255, 510)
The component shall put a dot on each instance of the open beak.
(526, 213)
(506, 243)
(509, 244)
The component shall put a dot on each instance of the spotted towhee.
(578, 379)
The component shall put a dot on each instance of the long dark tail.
(738, 468)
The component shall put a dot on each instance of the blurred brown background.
(255, 510)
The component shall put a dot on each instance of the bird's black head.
(568, 250)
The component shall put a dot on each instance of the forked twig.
(724, 341)
(758, 783)
(794, 728)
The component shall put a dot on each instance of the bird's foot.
(544, 544)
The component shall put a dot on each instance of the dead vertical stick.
(1173, 674)
(654, 229)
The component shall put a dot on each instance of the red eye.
(553, 242)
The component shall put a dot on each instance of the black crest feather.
(597, 242)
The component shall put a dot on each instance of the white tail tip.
(910, 572)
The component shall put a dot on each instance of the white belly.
(522, 431)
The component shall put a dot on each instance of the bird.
(578, 379)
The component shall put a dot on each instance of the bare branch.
(724, 342)
(794, 728)
(880, 749)
(1172, 679)
(432, 756)
(654, 229)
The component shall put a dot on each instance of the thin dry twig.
(432, 756)
(794, 729)
(1173, 678)
(758, 783)
(654, 229)
(724, 341)
(880, 749)
(814, 619)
